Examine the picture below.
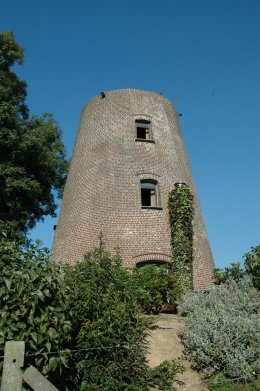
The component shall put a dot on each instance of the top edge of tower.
(129, 90)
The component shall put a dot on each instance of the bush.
(150, 284)
(107, 323)
(33, 306)
(222, 329)
(89, 309)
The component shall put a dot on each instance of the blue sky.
(203, 55)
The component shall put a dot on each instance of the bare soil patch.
(165, 344)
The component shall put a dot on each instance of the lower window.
(149, 193)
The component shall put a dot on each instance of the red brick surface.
(103, 192)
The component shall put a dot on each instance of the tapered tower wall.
(103, 192)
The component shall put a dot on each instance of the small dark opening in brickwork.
(141, 133)
(146, 197)
(149, 196)
(152, 263)
(143, 129)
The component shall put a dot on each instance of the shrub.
(107, 323)
(89, 308)
(222, 329)
(150, 284)
(33, 306)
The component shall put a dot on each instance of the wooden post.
(13, 361)
(37, 381)
(13, 377)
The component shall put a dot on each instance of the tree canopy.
(33, 165)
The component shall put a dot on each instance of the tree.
(234, 272)
(32, 156)
(252, 265)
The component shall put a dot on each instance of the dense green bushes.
(89, 310)
(151, 285)
(106, 315)
(222, 329)
(33, 306)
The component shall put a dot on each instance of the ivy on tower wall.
(181, 213)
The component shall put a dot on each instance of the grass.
(225, 385)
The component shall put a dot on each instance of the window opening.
(143, 129)
(141, 264)
(149, 193)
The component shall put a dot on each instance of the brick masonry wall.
(103, 192)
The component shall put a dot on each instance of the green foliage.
(220, 382)
(162, 376)
(33, 306)
(222, 329)
(181, 212)
(105, 314)
(252, 265)
(106, 320)
(234, 272)
(32, 156)
(151, 286)
(90, 307)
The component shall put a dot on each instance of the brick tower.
(128, 155)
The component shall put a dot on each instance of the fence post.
(37, 381)
(13, 361)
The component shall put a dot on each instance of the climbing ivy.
(181, 213)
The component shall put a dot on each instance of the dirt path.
(165, 344)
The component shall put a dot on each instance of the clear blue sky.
(203, 55)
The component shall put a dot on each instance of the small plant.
(163, 376)
(222, 329)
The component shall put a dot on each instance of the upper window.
(149, 193)
(143, 129)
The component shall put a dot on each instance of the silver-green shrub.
(222, 329)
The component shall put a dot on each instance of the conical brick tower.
(128, 155)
